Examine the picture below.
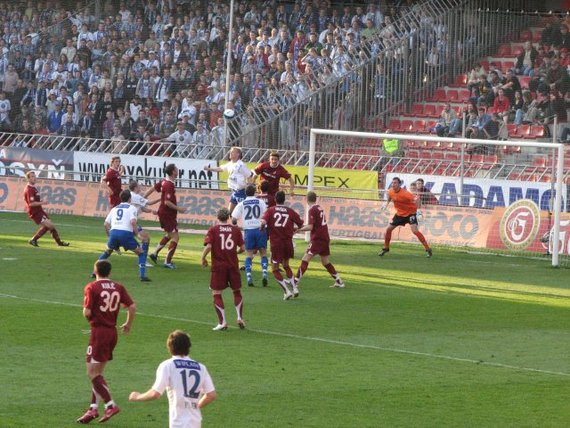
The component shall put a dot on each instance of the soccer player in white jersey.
(187, 383)
(238, 176)
(122, 227)
(141, 204)
(250, 212)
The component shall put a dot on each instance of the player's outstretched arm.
(305, 228)
(214, 168)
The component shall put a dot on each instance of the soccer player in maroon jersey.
(111, 181)
(320, 240)
(225, 242)
(280, 222)
(102, 301)
(264, 196)
(167, 213)
(273, 172)
(37, 213)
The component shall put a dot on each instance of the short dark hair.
(311, 196)
(274, 154)
(223, 214)
(103, 268)
(421, 180)
(169, 169)
(397, 178)
(178, 343)
(264, 186)
(280, 197)
(125, 195)
(250, 190)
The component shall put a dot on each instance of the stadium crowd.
(140, 69)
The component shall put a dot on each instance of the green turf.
(459, 340)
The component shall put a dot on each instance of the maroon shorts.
(281, 251)
(319, 248)
(102, 341)
(223, 278)
(39, 216)
(168, 224)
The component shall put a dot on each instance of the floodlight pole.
(228, 68)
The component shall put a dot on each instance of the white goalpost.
(522, 211)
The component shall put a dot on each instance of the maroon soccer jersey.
(225, 240)
(113, 180)
(31, 194)
(104, 297)
(320, 231)
(167, 193)
(267, 198)
(280, 222)
(272, 176)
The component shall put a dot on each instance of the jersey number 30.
(110, 301)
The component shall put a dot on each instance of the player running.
(281, 222)
(121, 227)
(225, 242)
(250, 212)
(101, 304)
(406, 210)
(320, 240)
(167, 213)
(34, 207)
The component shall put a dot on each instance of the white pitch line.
(324, 340)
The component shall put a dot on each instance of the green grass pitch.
(459, 340)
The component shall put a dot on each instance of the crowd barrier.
(522, 226)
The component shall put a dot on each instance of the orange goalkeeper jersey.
(404, 201)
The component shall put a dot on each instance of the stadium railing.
(386, 76)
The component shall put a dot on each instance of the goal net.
(506, 197)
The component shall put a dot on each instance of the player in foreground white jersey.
(187, 383)
(250, 212)
(121, 227)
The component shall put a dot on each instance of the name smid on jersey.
(120, 217)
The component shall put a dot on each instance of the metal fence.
(406, 61)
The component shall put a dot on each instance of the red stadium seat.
(536, 131)
(504, 50)
(394, 125)
(419, 127)
(416, 110)
(430, 111)
(413, 153)
(539, 161)
(406, 125)
(460, 81)
(508, 65)
(464, 95)
(439, 95)
(452, 95)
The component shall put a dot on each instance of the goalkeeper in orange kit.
(406, 213)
